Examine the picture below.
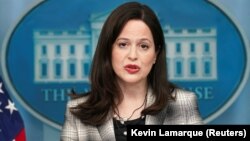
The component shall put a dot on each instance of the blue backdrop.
(43, 123)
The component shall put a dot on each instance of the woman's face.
(133, 53)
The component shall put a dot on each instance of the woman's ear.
(154, 60)
(157, 52)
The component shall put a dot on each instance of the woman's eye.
(144, 46)
(122, 45)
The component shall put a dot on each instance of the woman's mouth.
(130, 68)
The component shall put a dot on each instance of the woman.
(129, 82)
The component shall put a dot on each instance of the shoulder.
(184, 108)
(77, 101)
(183, 99)
(183, 95)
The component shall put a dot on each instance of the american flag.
(11, 123)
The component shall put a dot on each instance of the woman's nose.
(132, 53)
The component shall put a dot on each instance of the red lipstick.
(130, 68)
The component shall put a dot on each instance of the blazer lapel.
(106, 131)
(154, 119)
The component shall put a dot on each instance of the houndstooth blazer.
(184, 110)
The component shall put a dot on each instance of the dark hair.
(104, 88)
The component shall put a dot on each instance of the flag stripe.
(21, 136)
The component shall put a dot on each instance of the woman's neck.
(134, 98)
(133, 91)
